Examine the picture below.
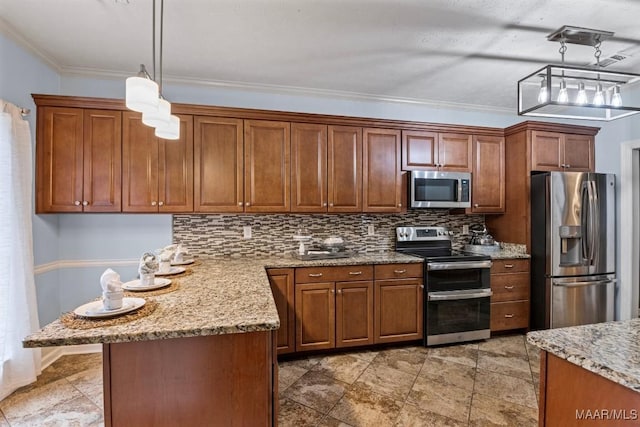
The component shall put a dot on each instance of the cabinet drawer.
(398, 271)
(334, 274)
(509, 315)
(509, 265)
(510, 287)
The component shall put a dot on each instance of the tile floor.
(481, 384)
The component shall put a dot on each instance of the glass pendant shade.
(160, 117)
(563, 96)
(581, 99)
(543, 94)
(141, 94)
(616, 99)
(171, 130)
(598, 98)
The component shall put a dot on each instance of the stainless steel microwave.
(431, 189)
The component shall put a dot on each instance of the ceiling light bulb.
(582, 94)
(171, 130)
(563, 96)
(543, 94)
(616, 100)
(160, 117)
(598, 98)
(141, 92)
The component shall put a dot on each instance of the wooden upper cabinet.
(488, 179)
(554, 151)
(419, 150)
(78, 160)
(382, 178)
(344, 169)
(454, 152)
(282, 287)
(157, 174)
(267, 158)
(218, 165)
(308, 167)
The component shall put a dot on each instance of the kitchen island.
(205, 355)
(590, 374)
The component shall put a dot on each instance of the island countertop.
(611, 349)
(220, 296)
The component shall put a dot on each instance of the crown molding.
(13, 34)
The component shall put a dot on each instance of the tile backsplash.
(222, 235)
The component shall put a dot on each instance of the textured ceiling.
(469, 52)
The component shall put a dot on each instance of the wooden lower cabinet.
(398, 310)
(510, 284)
(354, 313)
(282, 287)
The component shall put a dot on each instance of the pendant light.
(142, 92)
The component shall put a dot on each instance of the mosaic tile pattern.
(221, 235)
(393, 386)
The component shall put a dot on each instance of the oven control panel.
(412, 234)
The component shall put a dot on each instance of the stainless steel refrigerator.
(573, 277)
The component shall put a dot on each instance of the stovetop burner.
(432, 243)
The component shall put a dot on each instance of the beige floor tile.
(383, 379)
(89, 383)
(316, 391)
(288, 373)
(408, 360)
(305, 362)
(466, 354)
(487, 410)
(329, 421)
(510, 345)
(74, 363)
(343, 367)
(515, 390)
(293, 414)
(76, 412)
(412, 416)
(3, 421)
(361, 407)
(515, 366)
(440, 370)
(23, 403)
(367, 355)
(443, 399)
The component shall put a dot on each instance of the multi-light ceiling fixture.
(573, 92)
(144, 94)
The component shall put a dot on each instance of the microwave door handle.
(459, 191)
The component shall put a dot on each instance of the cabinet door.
(488, 179)
(354, 313)
(283, 290)
(382, 183)
(102, 189)
(398, 310)
(578, 153)
(419, 150)
(344, 173)
(60, 160)
(315, 316)
(267, 158)
(454, 152)
(546, 151)
(139, 165)
(175, 170)
(218, 165)
(308, 167)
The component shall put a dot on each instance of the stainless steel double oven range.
(457, 298)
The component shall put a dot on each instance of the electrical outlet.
(371, 230)
(246, 232)
(465, 229)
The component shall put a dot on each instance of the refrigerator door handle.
(595, 223)
(584, 223)
(584, 283)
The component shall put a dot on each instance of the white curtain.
(18, 309)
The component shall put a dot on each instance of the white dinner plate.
(96, 309)
(135, 285)
(183, 262)
(173, 270)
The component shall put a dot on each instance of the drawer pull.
(508, 316)
(315, 274)
(355, 273)
(508, 266)
(399, 271)
(509, 287)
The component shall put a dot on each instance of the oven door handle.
(459, 265)
(458, 295)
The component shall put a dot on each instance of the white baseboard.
(51, 354)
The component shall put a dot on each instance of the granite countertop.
(221, 296)
(507, 251)
(611, 349)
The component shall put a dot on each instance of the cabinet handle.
(508, 316)
(399, 271)
(421, 286)
(85, 203)
(77, 203)
(247, 204)
(563, 165)
(475, 205)
(160, 203)
(240, 203)
(508, 287)
(315, 274)
(339, 291)
(331, 204)
(508, 266)
(153, 203)
(355, 273)
(399, 205)
(333, 291)
(567, 166)
(325, 204)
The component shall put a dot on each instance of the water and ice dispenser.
(571, 246)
